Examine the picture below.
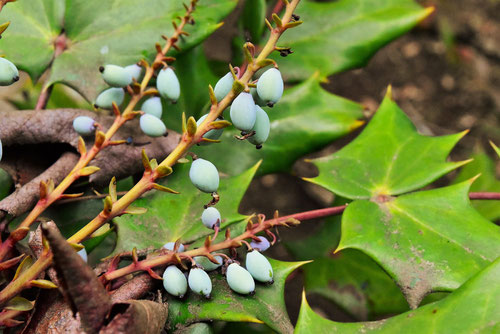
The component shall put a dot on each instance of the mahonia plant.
(210, 261)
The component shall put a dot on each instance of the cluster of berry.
(239, 279)
(118, 77)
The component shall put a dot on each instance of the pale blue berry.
(106, 98)
(262, 245)
(171, 245)
(153, 106)
(8, 72)
(259, 267)
(168, 85)
(239, 279)
(206, 264)
(84, 125)
(152, 126)
(212, 134)
(83, 254)
(223, 86)
(262, 128)
(134, 70)
(211, 217)
(174, 281)
(270, 86)
(116, 76)
(204, 175)
(199, 282)
(1, 150)
(243, 112)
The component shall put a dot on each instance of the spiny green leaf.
(487, 181)
(388, 158)
(340, 35)
(473, 308)
(98, 33)
(350, 278)
(171, 217)
(267, 305)
(427, 241)
(306, 119)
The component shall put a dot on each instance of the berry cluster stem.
(228, 243)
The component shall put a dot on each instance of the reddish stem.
(59, 46)
(484, 195)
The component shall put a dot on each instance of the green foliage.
(340, 35)
(388, 158)
(98, 32)
(266, 306)
(470, 309)
(305, 120)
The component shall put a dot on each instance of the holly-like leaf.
(388, 158)
(350, 278)
(266, 306)
(305, 120)
(427, 241)
(340, 35)
(487, 181)
(171, 217)
(97, 32)
(471, 308)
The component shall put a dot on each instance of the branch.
(208, 248)
(484, 195)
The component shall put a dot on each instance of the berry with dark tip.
(239, 279)
(262, 128)
(211, 217)
(199, 282)
(270, 86)
(259, 267)
(107, 97)
(8, 72)
(116, 76)
(174, 281)
(243, 112)
(168, 85)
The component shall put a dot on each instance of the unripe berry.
(116, 76)
(204, 175)
(262, 127)
(170, 246)
(206, 264)
(84, 125)
(199, 282)
(106, 98)
(168, 85)
(153, 106)
(152, 126)
(134, 70)
(83, 254)
(243, 112)
(223, 86)
(270, 86)
(174, 281)
(211, 217)
(259, 267)
(239, 280)
(262, 245)
(8, 72)
(212, 134)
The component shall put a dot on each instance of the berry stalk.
(208, 248)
